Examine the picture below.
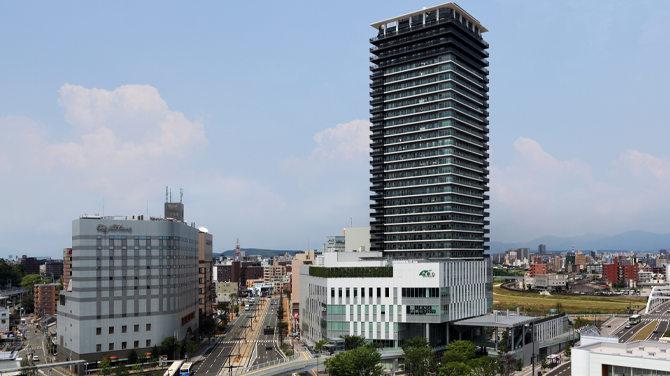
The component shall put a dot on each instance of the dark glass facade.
(430, 135)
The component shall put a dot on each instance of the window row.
(124, 329)
(124, 345)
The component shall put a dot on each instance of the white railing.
(284, 364)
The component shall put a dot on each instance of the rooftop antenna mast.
(181, 194)
(166, 194)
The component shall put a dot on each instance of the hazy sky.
(258, 110)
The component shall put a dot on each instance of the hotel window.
(98, 348)
(347, 292)
(136, 344)
(111, 346)
(137, 328)
(387, 292)
(124, 328)
(148, 343)
(148, 327)
(98, 331)
(111, 330)
(123, 345)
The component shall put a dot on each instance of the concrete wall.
(356, 237)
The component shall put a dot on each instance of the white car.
(36, 358)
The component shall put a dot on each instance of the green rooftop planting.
(357, 272)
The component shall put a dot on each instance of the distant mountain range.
(257, 251)
(636, 241)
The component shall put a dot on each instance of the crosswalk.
(242, 341)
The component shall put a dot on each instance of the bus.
(186, 369)
(174, 368)
(635, 319)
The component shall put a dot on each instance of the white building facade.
(134, 283)
(618, 359)
(389, 301)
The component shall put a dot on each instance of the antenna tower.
(237, 250)
(181, 194)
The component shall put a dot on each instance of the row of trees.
(459, 359)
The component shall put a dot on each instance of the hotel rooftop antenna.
(166, 194)
(181, 194)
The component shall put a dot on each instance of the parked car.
(36, 358)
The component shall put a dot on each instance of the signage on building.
(335, 241)
(105, 228)
(421, 310)
(295, 315)
(427, 274)
(208, 242)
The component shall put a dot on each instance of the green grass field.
(505, 299)
(644, 332)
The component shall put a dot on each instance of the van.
(246, 307)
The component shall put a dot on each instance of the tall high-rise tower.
(429, 134)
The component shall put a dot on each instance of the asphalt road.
(660, 313)
(217, 356)
(266, 347)
(561, 370)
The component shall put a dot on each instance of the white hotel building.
(391, 300)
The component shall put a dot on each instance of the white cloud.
(639, 163)
(537, 194)
(348, 142)
(124, 146)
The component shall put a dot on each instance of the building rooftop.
(500, 321)
(638, 349)
(451, 5)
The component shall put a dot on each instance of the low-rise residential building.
(550, 281)
(224, 289)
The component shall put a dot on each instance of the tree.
(319, 345)
(137, 367)
(505, 359)
(30, 281)
(28, 303)
(484, 366)
(568, 349)
(236, 309)
(222, 306)
(519, 364)
(132, 357)
(60, 284)
(459, 351)
(224, 322)
(544, 364)
(190, 348)
(418, 357)
(455, 369)
(169, 346)
(352, 342)
(233, 298)
(282, 326)
(142, 358)
(280, 310)
(364, 361)
(155, 352)
(121, 370)
(28, 367)
(105, 366)
(208, 327)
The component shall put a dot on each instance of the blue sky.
(259, 111)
